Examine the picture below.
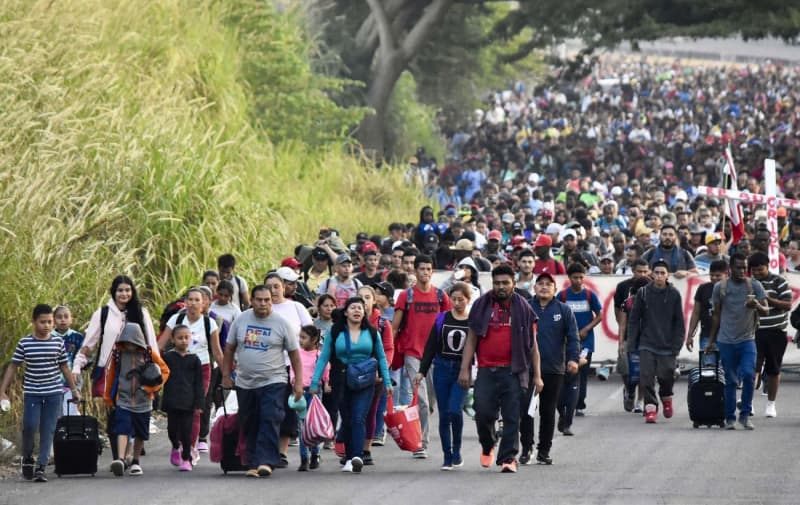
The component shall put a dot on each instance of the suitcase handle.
(715, 353)
(220, 391)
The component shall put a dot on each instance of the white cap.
(553, 228)
(287, 274)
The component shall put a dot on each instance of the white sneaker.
(135, 470)
(153, 428)
(348, 466)
(195, 457)
(770, 411)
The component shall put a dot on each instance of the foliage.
(411, 123)
(128, 144)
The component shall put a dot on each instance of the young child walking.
(45, 362)
(131, 389)
(310, 344)
(73, 341)
(183, 396)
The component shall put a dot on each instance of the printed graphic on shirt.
(500, 317)
(255, 338)
(578, 306)
(454, 339)
(426, 307)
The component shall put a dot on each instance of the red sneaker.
(487, 459)
(667, 408)
(650, 416)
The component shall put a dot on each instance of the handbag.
(360, 375)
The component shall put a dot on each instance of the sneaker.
(175, 457)
(314, 463)
(770, 411)
(746, 423)
(421, 454)
(303, 465)
(509, 467)
(458, 461)
(560, 424)
(379, 440)
(357, 464)
(627, 403)
(253, 473)
(667, 408)
(543, 459)
(366, 457)
(730, 424)
(580, 412)
(118, 467)
(638, 408)
(136, 469)
(185, 466)
(284, 461)
(651, 416)
(487, 459)
(294, 442)
(39, 475)
(27, 468)
(567, 432)
(446, 467)
(202, 446)
(195, 456)
(525, 457)
(348, 466)
(328, 445)
(264, 470)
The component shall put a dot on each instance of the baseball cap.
(431, 238)
(343, 258)
(291, 262)
(553, 228)
(385, 288)
(546, 275)
(495, 235)
(463, 244)
(607, 257)
(287, 274)
(569, 232)
(547, 213)
(543, 240)
(713, 237)
(508, 218)
(319, 253)
(368, 246)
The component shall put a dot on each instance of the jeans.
(497, 390)
(654, 367)
(380, 427)
(354, 408)
(410, 369)
(583, 374)
(40, 413)
(375, 411)
(260, 414)
(568, 399)
(548, 399)
(450, 397)
(739, 362)
(303, 449)
(402, 387)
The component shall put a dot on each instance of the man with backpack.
(656, 329)
(545, 263)
(342, 286)
(415, 314)
(226, 264)
(679, 261)
(588, 313)
(737, 302)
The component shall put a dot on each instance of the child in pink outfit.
(310, 344)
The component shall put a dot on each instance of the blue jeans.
(739, 362)
(450, 397)
(568, 399)
(354, 408)
(260, 414)
(403, 391)
(41, 413)
(303, 448)
(497, 390)
(410, 370)
(379, 423)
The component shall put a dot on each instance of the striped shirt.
(42, 359)
(775, 286)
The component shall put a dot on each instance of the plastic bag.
(404, 424)
(317, 426)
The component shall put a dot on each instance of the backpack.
(563, 296)
(240, 288)
(327, 282)
(410, 298)
(170, 310)
(723, 291)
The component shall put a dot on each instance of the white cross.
(769, 199)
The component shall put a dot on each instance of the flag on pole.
(733, 209)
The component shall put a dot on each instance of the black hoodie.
(656, 321)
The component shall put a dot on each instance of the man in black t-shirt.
(703, 310)
(371, 272)
(640, 269)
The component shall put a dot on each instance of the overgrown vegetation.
(147, 138)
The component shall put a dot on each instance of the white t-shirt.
(228, 312)
(199, 344)
(295, 315)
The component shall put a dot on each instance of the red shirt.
(494, 349)
(550, 266)
(386, 334)
(420, 318)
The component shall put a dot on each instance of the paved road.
(613, 459)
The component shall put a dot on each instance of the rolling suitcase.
(225, 435)
(76, 445)
(706, 396)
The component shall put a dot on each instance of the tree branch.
(385, 34)
(421, 31)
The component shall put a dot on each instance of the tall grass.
(129, 144)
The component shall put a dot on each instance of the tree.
(377, 44)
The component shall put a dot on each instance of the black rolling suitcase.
(230, 461)
(706, 397)
(76, 445)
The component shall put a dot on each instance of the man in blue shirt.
(588, 314)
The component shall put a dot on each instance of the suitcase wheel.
(59, 475)
(695, 425)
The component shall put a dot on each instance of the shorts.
(289, 423)
(770, 346)
(133, 424)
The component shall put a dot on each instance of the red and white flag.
(733, 209)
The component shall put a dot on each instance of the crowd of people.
(596, 177)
